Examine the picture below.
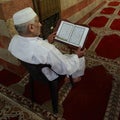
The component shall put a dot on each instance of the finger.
(85, 49)
(54, 33)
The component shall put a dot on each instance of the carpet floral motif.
(10, 109)
(13, 100)
(107, 29)
(111, 65)
(113, 107)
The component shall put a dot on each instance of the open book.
(72, 34)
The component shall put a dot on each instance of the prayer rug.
(90, 38)
(119, 13)
(16, 107)
(105, 24)
(98, 21)
(99, 85)
(102, 76)
(89, 97)
(108, 10)
(115, 25)
(8, 78)
(109, 47)
(12, 110)
(114, 3)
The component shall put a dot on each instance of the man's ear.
(31, 27)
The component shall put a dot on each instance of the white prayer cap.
(23, 16)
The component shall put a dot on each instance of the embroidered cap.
(24, 16)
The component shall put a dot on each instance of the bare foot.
(75, 80)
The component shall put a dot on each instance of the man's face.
(37, 27)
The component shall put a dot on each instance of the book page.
(72, 34)
(78, 35)
(64, 31)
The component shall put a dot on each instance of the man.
(29, 47)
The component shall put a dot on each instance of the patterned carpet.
(18, 106)
(109, 12)
(14, 106)
(12, 110)
(103, 48)
(109, 57)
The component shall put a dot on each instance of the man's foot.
(75, 80)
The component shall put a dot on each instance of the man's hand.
(51, 37)
(80, 52)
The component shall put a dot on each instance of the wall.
(7, 9)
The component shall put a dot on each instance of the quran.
(72, 34)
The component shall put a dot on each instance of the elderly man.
(29, 47)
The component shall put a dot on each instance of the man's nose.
(40, 24)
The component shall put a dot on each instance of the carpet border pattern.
(113, 68)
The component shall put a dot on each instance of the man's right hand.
(80, 52)
(51, 37)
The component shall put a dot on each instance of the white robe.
(35, 50)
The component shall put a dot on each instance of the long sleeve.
(37, 51)
(61, 63)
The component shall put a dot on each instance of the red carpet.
(14, 118)
(109, 47)
(8, 78)
(98, 21)
(106, 25)
(91, 37)
(119, 13)
(115, 3)
(41, 91)
(115, 24)
(107, 11)
(89, 98)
